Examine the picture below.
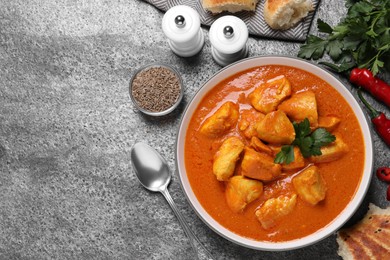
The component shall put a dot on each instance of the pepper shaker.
(181, 25)
(228, 37)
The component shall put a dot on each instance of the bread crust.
(233, 6)
(367, 239)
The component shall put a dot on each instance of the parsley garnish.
(286, 155)
(309, 143)
(361, 40)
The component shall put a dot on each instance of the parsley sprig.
(309, 143)
(361, 40)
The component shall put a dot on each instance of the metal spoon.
(153, 172)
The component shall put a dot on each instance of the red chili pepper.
(381, 123)
(378, 88)
(383, 174)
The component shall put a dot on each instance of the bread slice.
(284, 14)
(232, 6)
(369, 238)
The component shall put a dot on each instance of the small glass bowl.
(169, 109)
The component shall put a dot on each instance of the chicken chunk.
(331, 152)
(241, 191)
(259, 146)
(276, 128)
(274, 209)
(221, 121)
(248, 120)
(259, 166)
(310, 185)
(300, 106)
(328, 122)
(269, 95)
(226, 157)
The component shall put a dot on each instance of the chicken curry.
(246, 158)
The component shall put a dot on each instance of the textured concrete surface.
(67, 188)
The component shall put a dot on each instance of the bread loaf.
(232, 6)
(284, 14)
(369, 238)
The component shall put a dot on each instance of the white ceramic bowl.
(297, 243)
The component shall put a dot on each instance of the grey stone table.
(67, 188)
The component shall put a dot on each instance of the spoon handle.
(192, 238)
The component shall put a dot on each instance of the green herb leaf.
(322, 137)
(361, 8)
(377, 64)
(302, 129)
(334, 49)
(352, 42)
(339, 32)
(324, 27)
(305, 145)
(350, 3)
(315, 151)
(286, 155)
(309, 143)
(314, 49)
(363, 36)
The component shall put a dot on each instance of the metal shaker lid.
(181, 24)
(228, 34)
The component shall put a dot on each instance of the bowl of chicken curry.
(274, 153)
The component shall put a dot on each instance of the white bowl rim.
(317, 236)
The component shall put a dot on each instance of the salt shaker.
(181, 25)
(228, 37)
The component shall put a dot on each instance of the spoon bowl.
(150, 167)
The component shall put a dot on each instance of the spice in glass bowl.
(156, 89)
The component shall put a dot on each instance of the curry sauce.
(342, 176)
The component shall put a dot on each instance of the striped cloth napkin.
(255, 21)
